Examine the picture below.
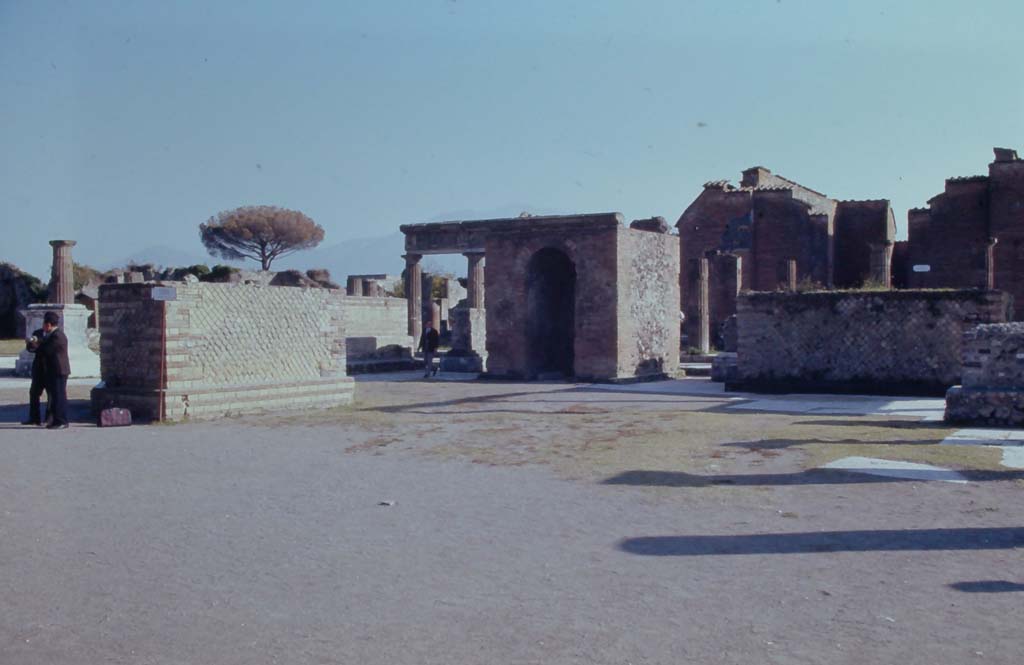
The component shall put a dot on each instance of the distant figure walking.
(54, 350)
(35, 391)
(428, 345)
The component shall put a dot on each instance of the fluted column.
(62, 274)
(475, 279)
(414, 295)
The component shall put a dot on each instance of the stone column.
(355, 286)
(475, 279)
(414, 295)
(990, 263)
(703, 309)
(62, 274)
(791, 275)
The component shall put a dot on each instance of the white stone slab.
(858, 405)
(891, 469)
(1013, 457)
(1009, 441)
(976, 436)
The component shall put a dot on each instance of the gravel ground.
(531, 523)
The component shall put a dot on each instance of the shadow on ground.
(777, 444)
(888, 424)
(987, 586)
(11, 415)
(811, 477)
(993, 538)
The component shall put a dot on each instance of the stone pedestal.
(468, 325)
(74, 321)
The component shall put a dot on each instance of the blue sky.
(124, 125)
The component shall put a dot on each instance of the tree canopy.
(263, 233)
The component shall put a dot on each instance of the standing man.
(428, 345)
(35, 391)
(54, 349)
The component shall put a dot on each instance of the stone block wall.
(648, 295)
(371, 323)
(882, 342)
(197, 350)
(992, 392)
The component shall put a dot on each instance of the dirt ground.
(481, 522)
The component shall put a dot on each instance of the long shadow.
(11, 415)
(888, 424)
(987, 586)
(811, 477)
(776, 444)
(476, 399)
(982, 538)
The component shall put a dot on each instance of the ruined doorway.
(550, 321)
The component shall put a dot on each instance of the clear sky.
(124, 125)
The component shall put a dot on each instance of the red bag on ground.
(114, 417)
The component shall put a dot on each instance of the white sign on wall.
(922, 267)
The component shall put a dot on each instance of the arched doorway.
(550, 322)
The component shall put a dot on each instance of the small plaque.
(922, 267)
(164, 293)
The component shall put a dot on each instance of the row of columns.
(414, 288)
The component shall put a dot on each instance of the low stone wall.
(181, 350)
(372, 323)
(992, 392)
(875, 342)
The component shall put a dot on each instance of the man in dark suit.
(428, 345)
(35, 391)
(54, 349)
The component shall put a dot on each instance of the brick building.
(972, 234)
(750, 236)
(567, 295)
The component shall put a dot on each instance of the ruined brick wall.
(1006, 224)
(952, 237)
(648, 295)
(784, 230)
(858, 225)
(899, 342)
(719, 219)
(371, 323)
(593, 253)
(227, 348)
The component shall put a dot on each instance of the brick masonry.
(949, 240)
(626, 296)
(883, 342)
(750, 233)
(992, 392)
(219, 349)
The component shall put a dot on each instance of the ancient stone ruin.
(992, 392)
(771, 232)
(74, 318)
(874, 342)
(177, 350)
(970, 235)
(568, 296)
